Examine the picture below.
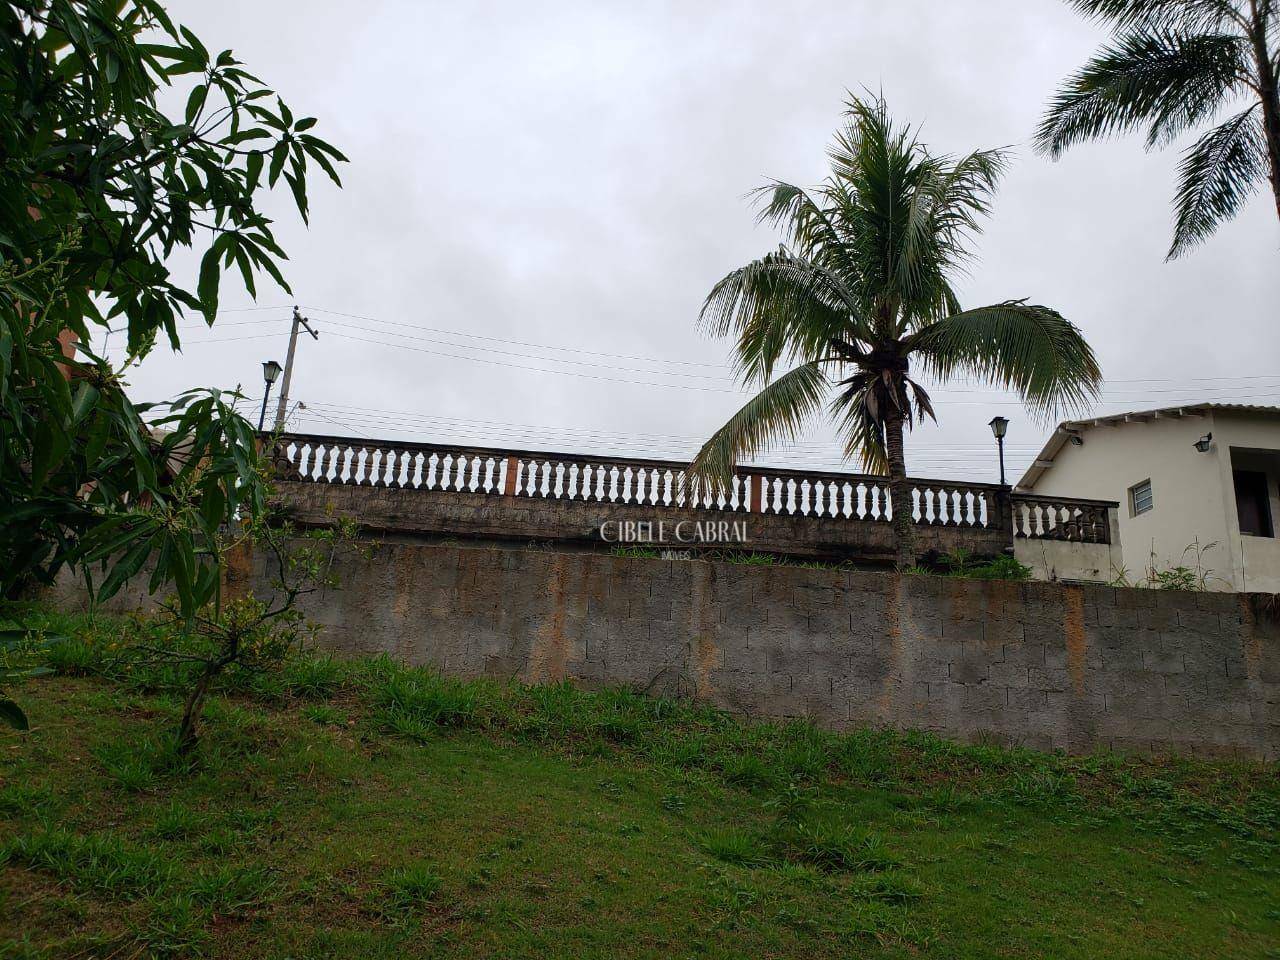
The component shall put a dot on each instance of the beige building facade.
(1198, 487)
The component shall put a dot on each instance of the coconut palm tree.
(1173, 66)
(861, 292)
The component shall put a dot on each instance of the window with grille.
(1140, 500)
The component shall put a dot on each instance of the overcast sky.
(570, 177)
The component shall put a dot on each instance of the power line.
(461, 333)
(522, 343)
(681, 386)
(414, 418)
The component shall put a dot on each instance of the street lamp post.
(999, 426)
(270, 370)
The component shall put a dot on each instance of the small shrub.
(315, 677)
(19, 800)
(175, 927)
(1003, 567)
(947, 799)
(680, 749)
(267, 685)
(75, 657)
(1040, 787)
(408, 888)
(636, 553)
(620, 729)
(406, 725)
(747, 770)
(228, 889)
(220, 842)
(731, 845)
(177, 821)
(323, 714)
(869, 756)
(103, 863)
(839, 847)
(791, 803)
(807, 756)
(429, 698)
(887, 888)
(673, 803)
(136, 767)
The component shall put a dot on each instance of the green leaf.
(197, 47)
(324, 147)
(124, 569)
(207, 288)
(325, 164)
(195, 102)
(86, 396)
(299, 189)
(50, 447)
(11, 714)
(253, 170)
(279, 153)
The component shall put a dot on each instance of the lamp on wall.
(999, 427)
(270, 370)
(1204, 443)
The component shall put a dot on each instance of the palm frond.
(778, 305)
(811, 229)
(856, 411)
(1166, 79)
(1217, 174)
(775, 413)
(943, 213)
(1157, 14)
(1033, 350)
(863, 405)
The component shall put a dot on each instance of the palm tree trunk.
(1269, 94)
(904, 532)
(1271, 120)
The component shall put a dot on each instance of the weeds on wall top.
(1194, 577)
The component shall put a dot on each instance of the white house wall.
(1254, 562)
(1186, 486)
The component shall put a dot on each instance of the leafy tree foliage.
(1173, 66)
(99, 185)
(862, 291)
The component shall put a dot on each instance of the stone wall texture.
(1043, 665)
(1039, 664)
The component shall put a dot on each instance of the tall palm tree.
(1172, 66)
(861, 291)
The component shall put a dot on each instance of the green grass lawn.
(366, 810)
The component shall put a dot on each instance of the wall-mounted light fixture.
(1204, 443)
(1076, 440)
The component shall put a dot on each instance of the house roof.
(1068, 428)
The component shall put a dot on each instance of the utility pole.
(298, 321)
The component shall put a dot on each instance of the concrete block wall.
(1039, 664)
(1044, 665)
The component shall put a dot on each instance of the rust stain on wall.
(403, 590)
(705, 655)
(896, 600)
(549, 652)
(1073, 628)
